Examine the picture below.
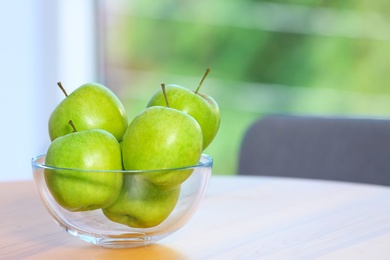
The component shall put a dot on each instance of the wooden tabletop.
(240, 218)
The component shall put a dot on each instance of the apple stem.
(165, 94)
(201, 82)
(62, 88)
(73, 126)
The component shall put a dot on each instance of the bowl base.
(126, 240)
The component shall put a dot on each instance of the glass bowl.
(140, 222)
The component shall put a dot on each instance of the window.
(307, 57)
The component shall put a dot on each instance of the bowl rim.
(208, 163)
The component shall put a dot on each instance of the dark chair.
(344, 149)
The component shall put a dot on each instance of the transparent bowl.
(94, 226)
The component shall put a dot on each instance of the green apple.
(96, 151)
(141, 204)
(200, 106)
(162, 138)
(91, 106)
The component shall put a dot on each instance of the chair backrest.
(344, 149)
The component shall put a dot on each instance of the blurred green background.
(294, 57)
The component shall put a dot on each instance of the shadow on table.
(154, 251)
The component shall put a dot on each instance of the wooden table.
(240, 218)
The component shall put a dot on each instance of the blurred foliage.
(301, 56)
